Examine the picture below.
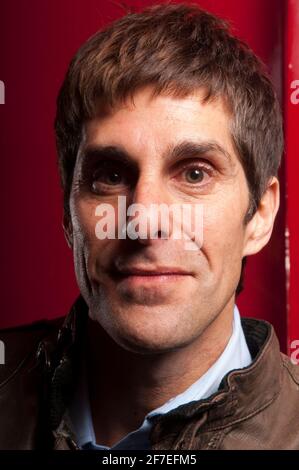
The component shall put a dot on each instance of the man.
(162, 107)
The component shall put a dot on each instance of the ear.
(258, 231)
(67, 229)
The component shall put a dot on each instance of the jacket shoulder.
(291, 367)
(20, 342)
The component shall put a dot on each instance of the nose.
(148, 213)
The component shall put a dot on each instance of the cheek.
(223, 235)
(85, 241)
(94, 253)
(97, 220)
(84, 219)
(224, 212)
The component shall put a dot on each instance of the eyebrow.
(98, 152)
(194, 149)
(173, 153)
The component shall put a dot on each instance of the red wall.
(291, 99)
(37, 40)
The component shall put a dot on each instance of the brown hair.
(176, 48)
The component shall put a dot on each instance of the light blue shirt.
(236, 355)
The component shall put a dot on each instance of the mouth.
(137, 276)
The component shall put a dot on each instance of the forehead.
(147, 124)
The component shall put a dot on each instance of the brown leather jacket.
(255, 408)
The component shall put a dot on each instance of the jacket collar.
(242, 392)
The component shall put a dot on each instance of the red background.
(37, 40)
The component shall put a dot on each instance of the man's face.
(159, 150)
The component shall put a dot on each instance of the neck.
(125, 386)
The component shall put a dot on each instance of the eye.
(194, 175)
(109, 176)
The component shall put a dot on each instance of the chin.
(145, 346)
(144, 332)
